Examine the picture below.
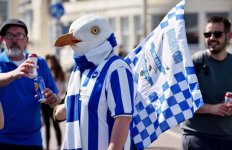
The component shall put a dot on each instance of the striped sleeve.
(121, 92)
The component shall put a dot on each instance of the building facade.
(131, 20)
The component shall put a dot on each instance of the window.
(112, 23)
(3, 11)
(156, 19)
(224, 14)
(191, 25)
(28, 19)
(64, 1)
(24, 2)
(138, 30)
(125, 31)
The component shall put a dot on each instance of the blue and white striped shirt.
(106, 92)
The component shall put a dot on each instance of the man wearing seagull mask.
(99, 103)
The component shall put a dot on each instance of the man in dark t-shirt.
(211, 126)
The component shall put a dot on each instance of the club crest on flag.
(167, 87)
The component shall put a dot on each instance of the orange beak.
(66, 39)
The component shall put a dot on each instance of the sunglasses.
(216, 34)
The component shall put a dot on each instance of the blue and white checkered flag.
(168, 91)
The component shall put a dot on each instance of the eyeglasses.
(216, 34)
(19, 36)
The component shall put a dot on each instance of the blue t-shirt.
(22, 117)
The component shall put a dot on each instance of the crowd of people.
(108, 113)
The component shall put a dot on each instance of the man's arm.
(220, 109)
(7, 78)
(23, 70)
(119, 132)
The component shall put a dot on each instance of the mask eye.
(95, 30)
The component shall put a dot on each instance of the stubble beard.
(220, 47)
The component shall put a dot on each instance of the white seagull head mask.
(85, 34)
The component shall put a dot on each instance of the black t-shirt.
(215, 79)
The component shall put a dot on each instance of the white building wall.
(134, 7)
(41, 33)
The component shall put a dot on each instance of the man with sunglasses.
(21, 109)
(211, 126)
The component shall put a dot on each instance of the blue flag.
(167, 87)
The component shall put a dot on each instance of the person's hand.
(229, 104)
(220, 109)
(229, 107)
(50, 98)
(23, 70)
(59, 113)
